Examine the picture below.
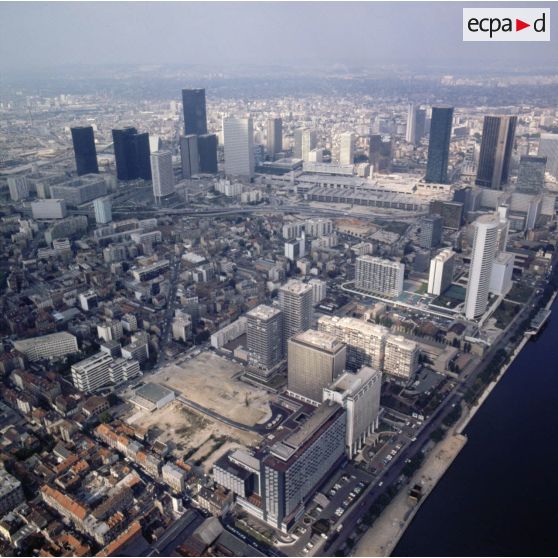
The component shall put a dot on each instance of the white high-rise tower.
(239, 147)
(347, 148)
(162, 174)
(411, 124)
(484, 249)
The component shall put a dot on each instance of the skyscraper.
(103, 210)
(239, 147)
(410, 132)
(131, 154)
(315, 359)
(207, 151)
(274, 136)
(484, 249)
(264, 336)
(189, 155)
(441, 272)
(548, 147)
(530, 177)
(347, 148)
(193, 105)
(163, 176)
(84, 150)
(295, 301)
(430, 231)
(498, 135)
(438, 145)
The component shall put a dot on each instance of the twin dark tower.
(198, 149)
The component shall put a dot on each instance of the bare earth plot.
(209, 380)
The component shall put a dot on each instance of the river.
(500, 496)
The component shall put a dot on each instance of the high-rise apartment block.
(295, 301)
(438, 145)
(485, 244)
(315, 359)
(264, 333)
(415, 124)
(163, 175)
(18, 187)
(274, 136)
(401, 357)
(85, 152)
(441, 272)
(103, 210)
(359, 395)
(189, 155)
(195, 117)
(100, 370)
(379, 276)
(498, 136)
(430, 231)
(239, 147)
(347, 148)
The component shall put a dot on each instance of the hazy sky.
(38, 34)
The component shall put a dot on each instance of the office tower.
(451, 213)
(401, 357)
(359, 395)
(498, 136)
(308, 143)
(131, 154)
(484, 249)
(53, 345)
(315, 359)
(207, 151)
(84, 150)
(379, 276)
(163, 175)
(441, 272)
(438, 145)
(347, 148)
(548, 147)
(412, 133)
(420, 125)
(379, 152)
(430, 231)
(239, 147)
(501, 274)
(189, 155)
(193, 105)
(530, 177)
(365, 341)
(295, 301)
(103, 210)
(274, 136)
(18, 187)
(295, 467)
(80, 190)
(264, 336)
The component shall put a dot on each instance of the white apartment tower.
(103, 210)
(379, 276)
(239, 147)
(347, 148)
(295, 301)
(484, 249)
(441, 272)
(162, 174)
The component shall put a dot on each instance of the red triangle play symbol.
(519, 25)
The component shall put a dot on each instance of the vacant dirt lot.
(211, 381)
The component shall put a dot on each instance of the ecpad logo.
(506, 24)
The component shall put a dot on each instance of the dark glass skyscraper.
(131, 153)
(498, 135)
(193, 104)
(84, 150)
(207, 151)
(438, 146)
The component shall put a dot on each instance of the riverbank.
(382, 538)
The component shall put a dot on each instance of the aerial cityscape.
(255, 305)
